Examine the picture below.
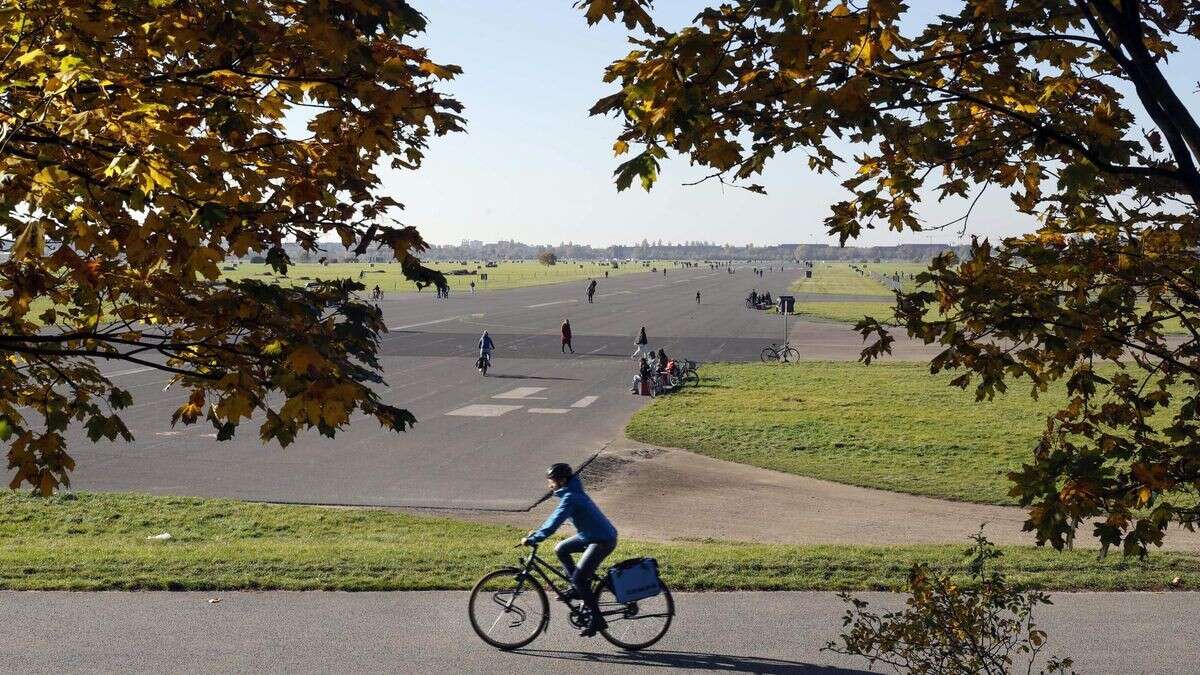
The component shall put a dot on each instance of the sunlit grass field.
(891, 426)
(98, 542)
(904, 269)
(845, 311)
(506, 275)
(837, 278)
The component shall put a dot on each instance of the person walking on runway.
(641, 343)
(566, 336)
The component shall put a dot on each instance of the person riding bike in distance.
(486, 346)
(594, 536)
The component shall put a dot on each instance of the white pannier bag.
(635, 579)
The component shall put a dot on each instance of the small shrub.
(948, 628)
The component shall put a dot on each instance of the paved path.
(481, 442)
(661, 494)
(428, 633)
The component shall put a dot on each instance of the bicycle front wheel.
(635, 625)
(790, 355)
(508, 609)
(692, 377)
(769, 355)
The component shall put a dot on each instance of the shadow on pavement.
(692, 661)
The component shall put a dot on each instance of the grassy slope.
(98, 541)
(890, 425)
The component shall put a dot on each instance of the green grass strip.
(98, 542)
(891, 426)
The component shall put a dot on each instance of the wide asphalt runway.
(282, 632)
(481, 442)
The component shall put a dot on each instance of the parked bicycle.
(689, 372)
(784, 353)
(509, 607)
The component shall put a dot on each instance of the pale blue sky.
(534, 166)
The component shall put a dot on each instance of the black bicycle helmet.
(559, 471)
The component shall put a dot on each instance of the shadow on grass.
(691, 661)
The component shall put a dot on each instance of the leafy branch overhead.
(141, 144)
(1066, 106)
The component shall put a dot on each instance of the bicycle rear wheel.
(769, 355)
(635, 625)
(692, 377)
(508, 610)
(790, 355)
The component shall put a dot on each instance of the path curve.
(662, 494)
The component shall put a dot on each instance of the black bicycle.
(784, 353)
(509, 607)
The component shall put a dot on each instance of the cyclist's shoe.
(595, 626)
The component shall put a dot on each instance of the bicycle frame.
(535, 565)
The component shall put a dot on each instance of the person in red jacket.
(566, 337)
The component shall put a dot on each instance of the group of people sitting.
(655, 371)
(764, 301)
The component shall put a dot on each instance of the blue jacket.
(576, 506)
(485, 342)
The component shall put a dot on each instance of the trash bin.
(787, 304)
(807, 274)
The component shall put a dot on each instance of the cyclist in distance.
(486, 346)
(594, 536)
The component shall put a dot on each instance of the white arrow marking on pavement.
(522, 393)
(549, 411)
(547, 304)
(584, 402)
(483, 410)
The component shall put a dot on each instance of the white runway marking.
(584, 402)
(131, 371)
(483, 410)
(425, 323)
(598, 349)
(549, 411)
(521, 393)
(166, 433)
(547, 304)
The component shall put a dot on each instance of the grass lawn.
(836, 278)
(845, 311)
(513, 274)
(888, 268)
(506, 275)
(889, 425)
(98, 542)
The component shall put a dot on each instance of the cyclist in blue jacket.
(595, 537)
(486, 345)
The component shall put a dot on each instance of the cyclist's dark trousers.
(593, 554)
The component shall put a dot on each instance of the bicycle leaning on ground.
(509, 607)
(784, 353)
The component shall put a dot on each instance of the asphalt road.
(428, 633)
(480, 443)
